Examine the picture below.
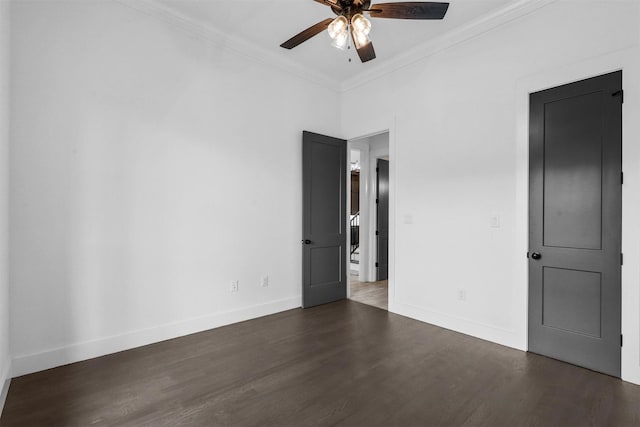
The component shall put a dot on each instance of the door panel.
(382, 227)
(580, 290)
(575, 223)
(323, 219)
(573, 172)
(325, 196)
(321, 257)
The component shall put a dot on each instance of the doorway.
(368, 220)
(575, 192)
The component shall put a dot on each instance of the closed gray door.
(575, 203)
(382, 226)
(324, 217)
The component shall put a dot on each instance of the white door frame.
(629, 62)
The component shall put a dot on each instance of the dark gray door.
(382, 227)
(324, 218)
(575, 202)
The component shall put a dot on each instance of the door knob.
(306, 242)
(536, 255)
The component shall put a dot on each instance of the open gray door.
(324, 218)
(382, 224)
(575, 202)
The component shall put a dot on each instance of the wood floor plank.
(370, 293)
(344, 364)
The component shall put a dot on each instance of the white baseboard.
(478, 330)
(630, 376)
(27, 364)
(5, 382)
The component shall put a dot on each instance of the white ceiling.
(265, 24)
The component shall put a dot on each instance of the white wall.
(458, 158)
(5, 360)
(149, 168)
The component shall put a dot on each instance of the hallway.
(370, 293)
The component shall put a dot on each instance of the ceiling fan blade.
(332, 3)
(306, 34)
(366, 52)
(409, 10)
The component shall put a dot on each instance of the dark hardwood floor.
(339, 364)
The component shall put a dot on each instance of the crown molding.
(248, 50)
(231, 43)
(449, 39)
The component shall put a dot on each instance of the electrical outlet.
(462, 295)
(264, 281)
(234, 286)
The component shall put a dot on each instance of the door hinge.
(621, 177)
(620, 340)
(377, 232)
(619, 93)
(377, 201)
(621, 259)
(376, 264)
(377, 169)
(527, 254)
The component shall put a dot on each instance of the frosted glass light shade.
(337, 26)
(341, 40)
(361, 24)
(360, 39)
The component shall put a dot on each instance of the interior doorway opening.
(368, 219)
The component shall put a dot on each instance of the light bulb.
(360, 39)
(341, 40)
(361, 24)
(337, 26)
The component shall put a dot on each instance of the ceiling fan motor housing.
(348, 8)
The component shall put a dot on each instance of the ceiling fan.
(351, 20)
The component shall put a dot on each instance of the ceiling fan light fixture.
(341, 40)
(361, 24)
(351, 27)
(337, 27)
(360, 39)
